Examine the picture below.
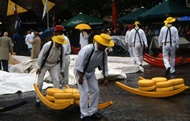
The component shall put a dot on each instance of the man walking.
(137, 40)
(6, 48)
(169, 42)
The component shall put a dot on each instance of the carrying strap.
(47, 54)
(88, 60)
(138, 35)
(103, 64)
(167, 36)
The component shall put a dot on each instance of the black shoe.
(167, 71)
(96, 116)
(37, 104)
(86, 118)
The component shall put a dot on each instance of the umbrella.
(82, 26)
(165, 9)
(47, 33)
(82, 18)
(132, 17)
(184, 18)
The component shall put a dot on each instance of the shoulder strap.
(103, 63)
(47, 54)
(61, 55)
(168, 30)
(88, 60)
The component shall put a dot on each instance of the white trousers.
(169, 51)
(130, 50)
(138, 53)
(65, 80)
(54, 73)
(90, 85)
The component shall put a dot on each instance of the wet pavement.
(126, 106)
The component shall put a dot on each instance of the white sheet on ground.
(22, 73)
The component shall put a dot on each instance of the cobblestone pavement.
(126, 106)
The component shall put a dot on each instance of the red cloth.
(114, 14)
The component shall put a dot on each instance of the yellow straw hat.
(104, 39)
(59, 39)
(169, 20)
(137, 23)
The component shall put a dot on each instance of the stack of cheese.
(75, 93)
(160, 84)
(170, 85)
(58, 96)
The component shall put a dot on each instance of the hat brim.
(59, 42)
(98, 39)
(170, 21)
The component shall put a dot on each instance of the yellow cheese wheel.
(63, 95)
(71, 90)
(165, 89)
(76, 96)
(159, 79)
(141, 78)
(60, 101)
(163, 84)
(150, 88)
(50, 98)
(76, 102)
(177, 81)
(145, 83)
(51, 91)
(177, 86)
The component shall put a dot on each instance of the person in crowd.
(36, 45)
(67, 51)
(89, 58)
(29, 37)
(169, 42)
(60, 30)
(137, 40)
(51, 54)
(130, 27)
(6, 48)
(17, 39)
(83, 38)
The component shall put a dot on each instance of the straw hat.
(59, 28)
(104, 39)
(137, 23)
(59, 39)
(169, 20)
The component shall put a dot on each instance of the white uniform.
(29, 38)
(90, 83)
(83, 39)
(130, 50)
(50, 65)
(168, 48)
(67, 51)
(137, 40)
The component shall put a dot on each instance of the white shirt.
(83, 39)
(29, 37)
(127, 36)
(142, 38)
(67, 47)
(174, 35)
(53, 57)
(95, 61)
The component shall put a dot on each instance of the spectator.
(6, 48)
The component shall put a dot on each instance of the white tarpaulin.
(22, 73)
